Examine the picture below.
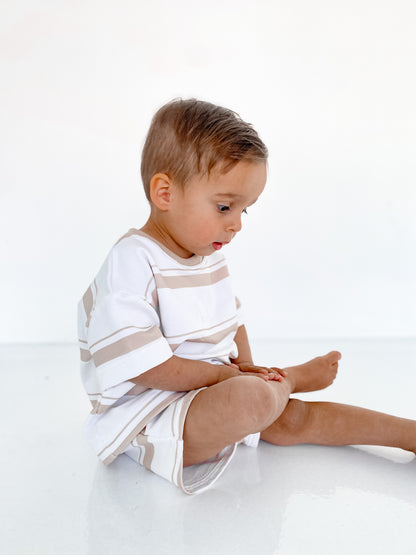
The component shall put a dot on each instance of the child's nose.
(235, 224)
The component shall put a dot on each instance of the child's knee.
(293, 419)
(255, 401)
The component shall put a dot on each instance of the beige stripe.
(237, 303)
(176, 269)
(215, 337)
(149, 450)
(83, 341)
(118, 331)
(130, 421)
(88, 300)
(102, 396)
(155, 298)
(125, 345)
(85, 355)
(192, 261)
(139, 426)
(146, 292)
(201, 280)
(201, 330)
(100, 409)
(190, 396)
(131, 232)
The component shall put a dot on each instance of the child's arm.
(244, 361)
(243, 346)
(181, 374)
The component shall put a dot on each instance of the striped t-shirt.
(144, 305)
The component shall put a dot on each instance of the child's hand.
(273, 373)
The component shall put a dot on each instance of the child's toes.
(334, 357)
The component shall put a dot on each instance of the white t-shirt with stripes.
(144, 305)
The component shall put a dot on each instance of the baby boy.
(165, 357)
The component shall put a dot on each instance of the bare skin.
(228, 411)
(318, 373)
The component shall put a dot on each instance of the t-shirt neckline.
(192, 261)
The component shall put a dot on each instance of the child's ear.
(161, 190)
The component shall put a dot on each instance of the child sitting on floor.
(165, 357)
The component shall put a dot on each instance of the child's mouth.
(217, 246)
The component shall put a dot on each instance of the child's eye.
(223, 207)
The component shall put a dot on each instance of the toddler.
(165, 358)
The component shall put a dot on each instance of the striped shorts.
(159, 448)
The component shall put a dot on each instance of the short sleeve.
(124, 338)
(121, 324)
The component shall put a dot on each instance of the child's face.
(206, 213)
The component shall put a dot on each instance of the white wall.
(331, 88)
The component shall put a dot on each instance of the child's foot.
(316, 374)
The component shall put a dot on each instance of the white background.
(328, 250)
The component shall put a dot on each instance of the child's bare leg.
(226, 412)
(338, 424)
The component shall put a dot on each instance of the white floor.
(57, 498)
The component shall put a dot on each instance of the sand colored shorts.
(159, 448)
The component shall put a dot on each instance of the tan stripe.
(97, 407)
(118, 331)
(128, 234)
(85, 355)
(198, 331)
(100, 409)
(83, 341)
(190, 396)
(155, 298)
(125, 345)
(149, 450)
(146, 292)
(139, 426)
(215, 337)
(102, 396)
(130, 421)
(88, 301)
(176, 269)
(201, 280)
(192, 261)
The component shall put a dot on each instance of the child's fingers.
(278, 371)
(276, 374)
(254, 369)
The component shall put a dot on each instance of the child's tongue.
(217, 246)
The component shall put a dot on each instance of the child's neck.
(158, 231)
